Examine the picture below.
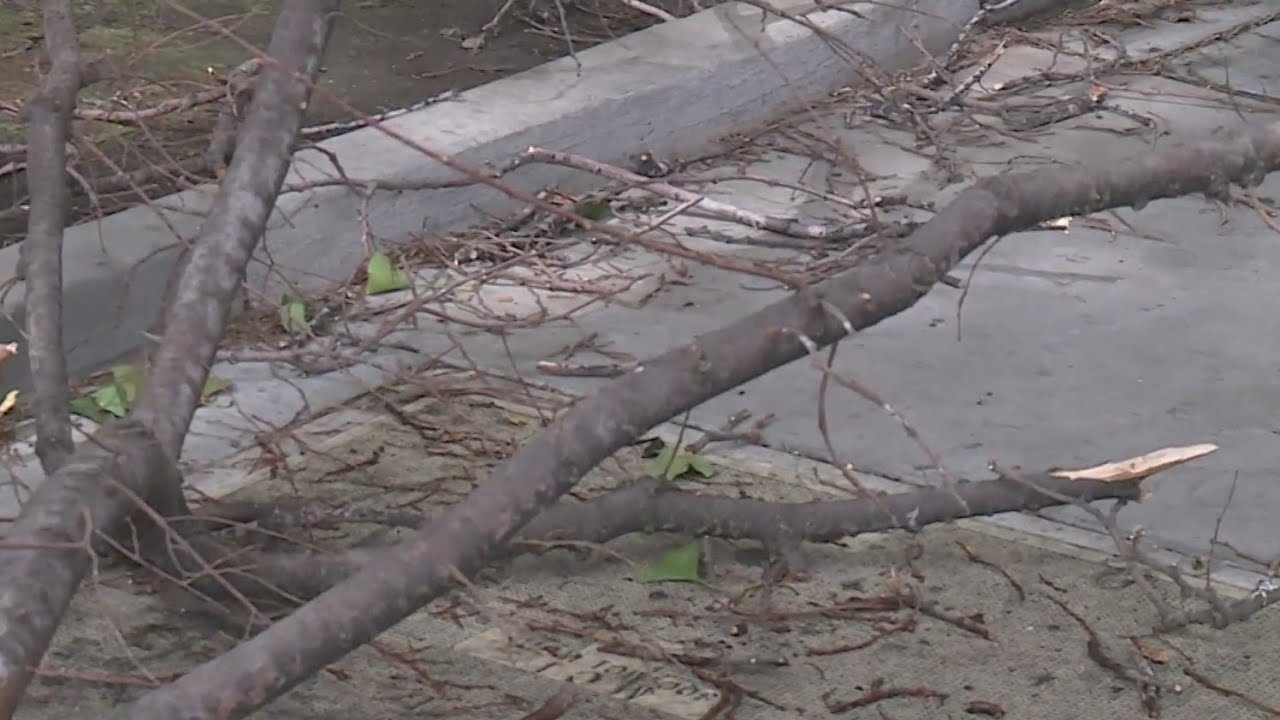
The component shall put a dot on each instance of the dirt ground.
(384, 55)
(997, 637)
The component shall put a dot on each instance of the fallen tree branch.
(650, 505)
(97, 487)
(468, 536)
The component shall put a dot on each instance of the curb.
(671, 89)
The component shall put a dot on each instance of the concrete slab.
(670, 90)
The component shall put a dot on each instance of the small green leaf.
(111, 399)
(701, 465)
(129, 379)
(593, 210)
(384, 276)
(293, 316)
(679, 565)
(213, 386)
(88, 408)
(660, 462)
(670, 463)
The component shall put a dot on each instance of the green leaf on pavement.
(293, 316)
(701, 465)
(213, 386)
(679, 565)
(129, 380)
(672, 463)
(111, 399)
(86, 407)
(384, 276)
(593, 210)
(117, 397)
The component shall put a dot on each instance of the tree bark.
(48, 131)
(47, 553)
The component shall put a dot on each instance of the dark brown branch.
(652, 506)
(48, 130)
(404, 578)
(95, 489)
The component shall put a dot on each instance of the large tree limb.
(48, 130)
(651, 505)
(470, 534)
(47, 553)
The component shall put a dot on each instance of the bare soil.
(384, 55)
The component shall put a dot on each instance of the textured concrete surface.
(671, 89)
(500, 649)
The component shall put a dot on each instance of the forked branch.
(99, 485)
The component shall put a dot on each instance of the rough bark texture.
(48, 128)
(203, 297)
(405, 577)
(650, 505)
(47, 551)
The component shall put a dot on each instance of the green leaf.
(670, 463)
(293, 316)
(117, 397)
(679, 565)
(384, 276)
(213, 386)
(129, 378)
(593, 210)
(111, 399)
(87, 407)
(701, 465)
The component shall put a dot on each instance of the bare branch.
(405, 577)
(48, 128)
(95, 490)
(651, 505)
(195, 323)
